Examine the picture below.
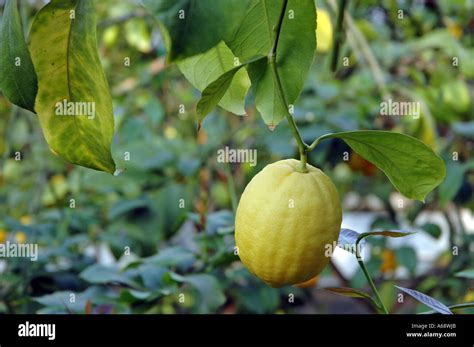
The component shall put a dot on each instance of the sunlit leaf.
(196, 70)
(214, 92)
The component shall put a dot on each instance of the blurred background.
(159, 237)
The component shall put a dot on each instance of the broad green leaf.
(427, 300)
(211, 296)
(18, 80)
(99, 274)
(64, 50)
(406, 257)
(191, 27)
(196, 70)
(433, 229)
(216, 90)
(469, 273)
(454, 178)
(412, 167)
(295, 52)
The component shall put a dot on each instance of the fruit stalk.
(276, 77)
(369, 279)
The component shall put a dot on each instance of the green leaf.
(469, 273)
(389, 233)
(406, 257)
(433, 229)
(196, 70)
(99, 274)
(353, 293)
(427, 300)
(216, 90)
(191, 27)
(295, 52)
(63, 46)
(210, 292)
(452, 183)
(412, 167)
(349, 292)
(18, 80)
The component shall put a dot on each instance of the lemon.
(20, 237)
(309, 283)
(3, 236)
(324, 31)
(287, 222)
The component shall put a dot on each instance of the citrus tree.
(290, 212)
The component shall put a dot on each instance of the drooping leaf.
(18, 80)
(412, 167)
(197, 70)
(64, 51)
(427, 300)
(216, 90)
(191, 27)
(294, 56)
(347, 240)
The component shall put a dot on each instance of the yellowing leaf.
(73, 103)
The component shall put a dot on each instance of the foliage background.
(189, 250)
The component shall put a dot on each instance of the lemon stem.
(369, 279)
(302, 146)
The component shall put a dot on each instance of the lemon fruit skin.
(287, 222)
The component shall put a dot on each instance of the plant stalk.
(339, 33)
(369, 279)
(276, 77)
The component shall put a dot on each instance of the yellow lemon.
(324, 31)
(309, 283)
(389, 261)
(287, 223)
(25, 220)
(20, 237)
(3, 236)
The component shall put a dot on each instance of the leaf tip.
(118, 172)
